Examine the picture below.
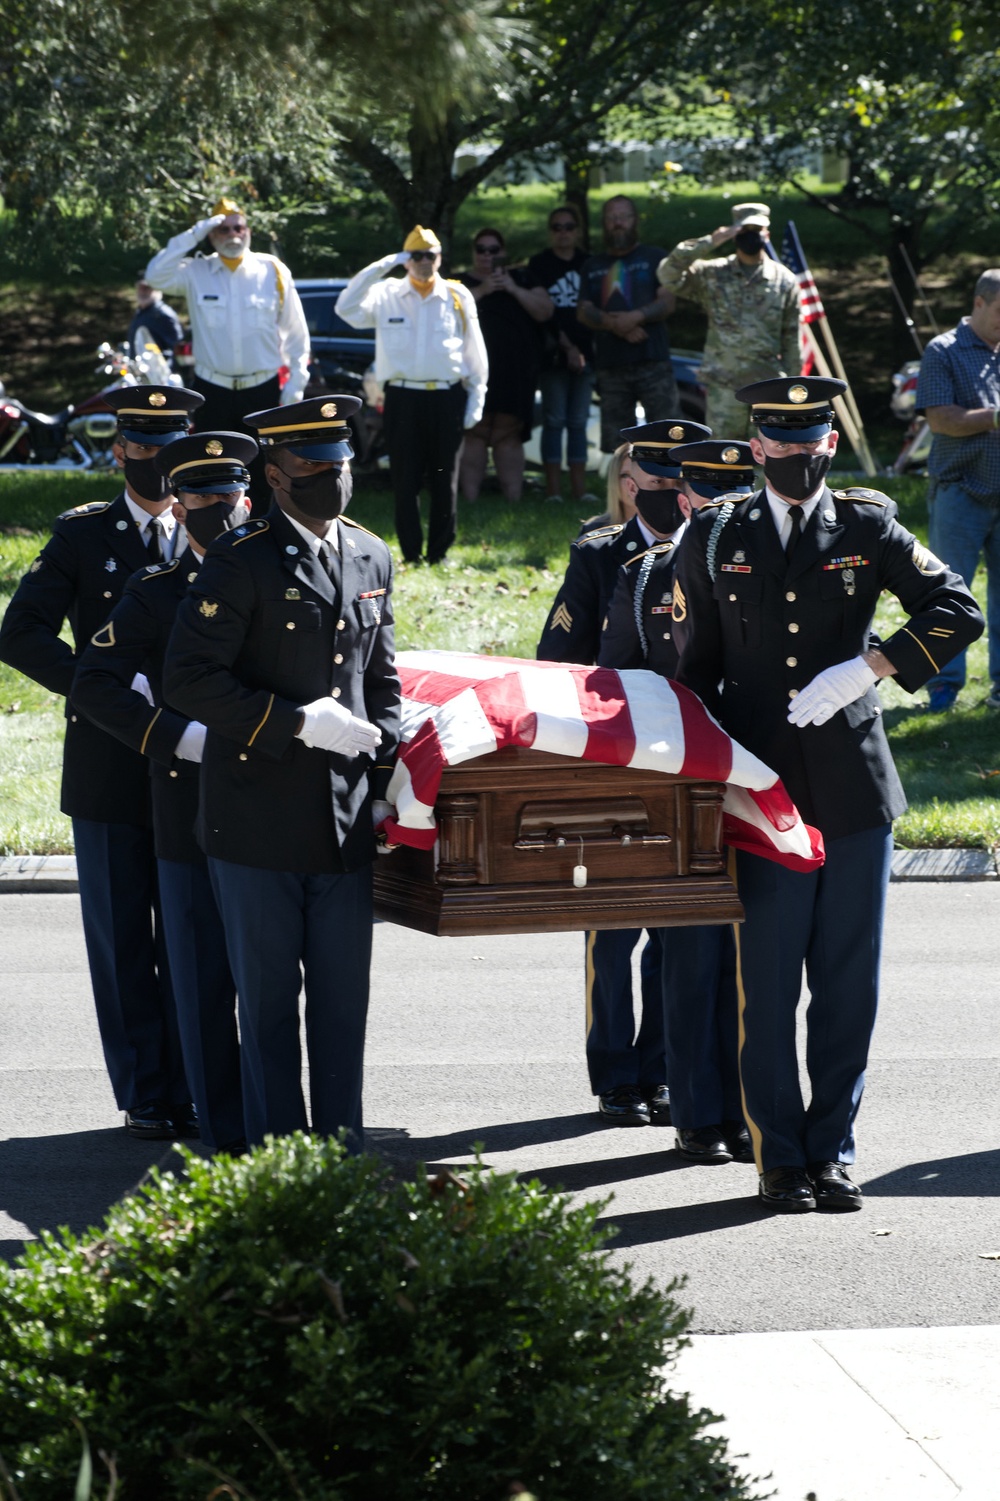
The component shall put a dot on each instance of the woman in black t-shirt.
(567, 375)
(511, 307)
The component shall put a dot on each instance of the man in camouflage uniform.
(752, 302)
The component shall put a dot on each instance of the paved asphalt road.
(482, 1040)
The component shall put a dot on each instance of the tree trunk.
(903, 238)
(576, 176)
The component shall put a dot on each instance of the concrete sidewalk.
(856, 1415)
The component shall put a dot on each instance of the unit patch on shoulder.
(208, 608)
(924, 561)
(680, 603)
(562, 618)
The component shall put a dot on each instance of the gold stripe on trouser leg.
(741, 1001)
(591, 939)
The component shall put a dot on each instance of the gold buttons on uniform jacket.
(72, 719)
(243, 755)
(341, 624)
(791, 596)
(173, 773)
(732, 598)
(289, 625)
(793, 693)
(107, 594)
(793, 627)
(339, 658)
(791, 661)
(334, 692)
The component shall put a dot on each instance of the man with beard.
(246, 323)
(80, 576)
(754, 315)
(621, 303)
(119, 685)
(283, 648)
(778, 592)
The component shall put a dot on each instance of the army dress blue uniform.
(134, 640)
(572, 631)
(79, 576)
(759, 627)
(287, 827)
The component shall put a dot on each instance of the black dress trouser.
(423, 435)
(224, 411)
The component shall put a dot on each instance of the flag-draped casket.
(533, 797)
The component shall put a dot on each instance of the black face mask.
(660, 509)
(750, 241)
(143, 477)
(209, 522)
(797, 475)
(323, 495)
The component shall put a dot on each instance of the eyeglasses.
(564, 227)
(482, 249)
(422, 255)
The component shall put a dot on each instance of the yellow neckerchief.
(229, 263)
(424, 288)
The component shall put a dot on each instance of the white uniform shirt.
(782, 512)
(433, 338)
(168, 526)
(247, 322)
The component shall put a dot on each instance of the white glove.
(381, 810)
(192, 743)
(830, 690)
(329, 726)
(205, 226)
(140, 684)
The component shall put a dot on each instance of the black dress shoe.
(707, 1144)
(185, 1120)
(150, 1122)
(657, 1097)
(786, 1189)
(738, 1141)
(832, 1186)
(623, 1106)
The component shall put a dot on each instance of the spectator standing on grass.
(959, 392)
(431, 359)
(753, 307)
(158, 318)
(566, 377)
(511, 303)
(246, 323)
(621, 304)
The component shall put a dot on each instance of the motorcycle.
(913, 455)
(79, 437)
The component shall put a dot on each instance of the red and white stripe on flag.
(457, 705)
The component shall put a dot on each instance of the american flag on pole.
(457, 705)
(793, 256)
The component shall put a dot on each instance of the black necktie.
(330, 559)
(154, 540)
(795, 515)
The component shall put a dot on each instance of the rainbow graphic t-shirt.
(619, 283)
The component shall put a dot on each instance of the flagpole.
(851, 431)
(864, 453)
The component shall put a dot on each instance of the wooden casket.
(513, 825)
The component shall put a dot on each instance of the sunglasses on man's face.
(563, 227)
(422, 255)
(487, 249)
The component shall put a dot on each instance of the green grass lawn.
(492, 596)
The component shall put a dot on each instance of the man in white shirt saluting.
(246, 323)
(430, 356)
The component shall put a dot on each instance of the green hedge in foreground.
(294, 1324)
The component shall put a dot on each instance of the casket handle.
(618, 838)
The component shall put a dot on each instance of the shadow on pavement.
(976, 1175)
(648, 1226)
(504, 1136)
(71, 1180)
(574, 1177)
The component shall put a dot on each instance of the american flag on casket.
(457, 705)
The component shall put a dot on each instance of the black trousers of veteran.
(224, 411)
(423, 436)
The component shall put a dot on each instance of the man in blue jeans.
(959, 392)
